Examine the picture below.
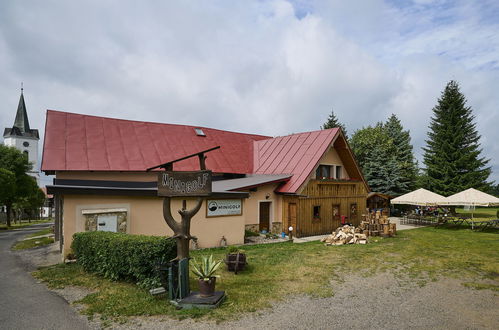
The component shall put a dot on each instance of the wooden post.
(181, 229)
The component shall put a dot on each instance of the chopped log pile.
(346, 235)
(373, 224)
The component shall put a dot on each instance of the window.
(338, 172)
(26, 144)
(323, 172)
(26, 154)
(317, 212)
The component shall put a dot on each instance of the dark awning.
(121, 188)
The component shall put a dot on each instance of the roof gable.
(299, 154)
(75, 142)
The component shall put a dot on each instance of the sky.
(262, 67)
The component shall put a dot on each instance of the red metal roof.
(75, 142)
(295, 154)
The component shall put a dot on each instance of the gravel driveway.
(365, 303)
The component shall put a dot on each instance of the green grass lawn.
(278, 270)
(41, 232)
(32, 243)
(480, 213)
(22, 224)
(35, 242)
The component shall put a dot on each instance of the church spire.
(21, 121)
(21, 124)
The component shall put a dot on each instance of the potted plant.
(206, 275)
(235, 259)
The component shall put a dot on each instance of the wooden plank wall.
(326, 194)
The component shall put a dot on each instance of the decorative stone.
(91, 221)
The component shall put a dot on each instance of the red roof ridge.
(305, 132)
(155, 123)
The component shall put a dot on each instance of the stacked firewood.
(346, 235)
(375, 224)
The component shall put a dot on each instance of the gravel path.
(365, 303)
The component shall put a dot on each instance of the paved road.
(25, 304)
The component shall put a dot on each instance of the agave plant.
(207, 268)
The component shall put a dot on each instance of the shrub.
(119, 256)
(249, 233)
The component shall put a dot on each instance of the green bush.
(121, 256)
(249, 233)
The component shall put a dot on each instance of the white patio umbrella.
(421, 197)
(472, 197)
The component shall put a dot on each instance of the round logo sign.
(212, 206)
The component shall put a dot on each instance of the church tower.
(22, 137)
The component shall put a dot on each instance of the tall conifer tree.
(404, 156)
(332, 122)
(452, 154)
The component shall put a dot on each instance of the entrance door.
(336, 216)
(353, 213)
(291, 218)
(265, 216)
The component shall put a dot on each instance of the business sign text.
(223, 207)
(184, 184)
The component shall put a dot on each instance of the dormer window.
(199, 132)
(323, 172)
(338, 172)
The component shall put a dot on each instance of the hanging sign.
(184, 184)
(223, 207)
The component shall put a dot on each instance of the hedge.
(119, 256)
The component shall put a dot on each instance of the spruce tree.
(452, 154)
(403, 154)
(333, 122)
(375, 153)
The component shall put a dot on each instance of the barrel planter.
(235, 262)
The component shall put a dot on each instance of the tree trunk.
(9, 211)
(182, 229)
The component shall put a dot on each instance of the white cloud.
(271, 67)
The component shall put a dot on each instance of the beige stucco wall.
(331, 158)
(145, 217)
(252, 207)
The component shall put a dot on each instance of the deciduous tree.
(13, 161)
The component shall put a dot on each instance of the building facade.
(309, 181)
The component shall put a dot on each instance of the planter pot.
(207, 288)
(235, 262)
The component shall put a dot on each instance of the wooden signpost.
(174, 184)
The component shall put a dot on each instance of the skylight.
(199, 132)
